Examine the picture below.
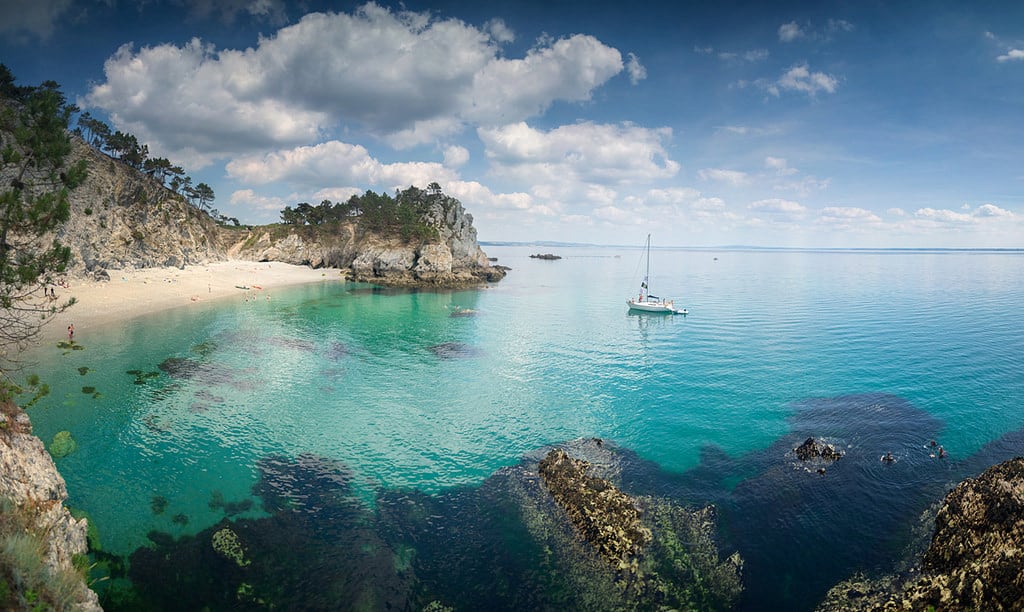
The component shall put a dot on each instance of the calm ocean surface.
(875, 351)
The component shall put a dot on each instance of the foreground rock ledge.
(664, 556)
(603, 515)
(975, 559)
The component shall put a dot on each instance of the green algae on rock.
(973, 561)
(603, 515)
(664, 554)
(227, 544)
(62, 444)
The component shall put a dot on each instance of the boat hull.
(663, 307)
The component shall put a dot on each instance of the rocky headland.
(453, 259)
(122, 218)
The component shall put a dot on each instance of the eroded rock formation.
(973, 562)
(603, 515)
(455, 259)
(29, 479)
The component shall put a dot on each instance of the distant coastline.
(742, 247)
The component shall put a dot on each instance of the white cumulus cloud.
(800, 78)
(779, 165)
(991, 210)
(944, 216)
(734, 177)
(405, 76)
(499, 31)
(1011, 56)
(636, 70)
(581, 152)
(777, 206)
(847, 216)
(334, 163)
(248, 198)
(568, 69)
(456, 156)
(788, 32)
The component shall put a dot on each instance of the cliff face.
(30, 480)
(122, 218)
(455, 259)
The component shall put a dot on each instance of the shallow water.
(877, 351)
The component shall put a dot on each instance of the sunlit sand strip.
(135, 292)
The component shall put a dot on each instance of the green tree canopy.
(403, 215)
(204, 196)
(34, 146)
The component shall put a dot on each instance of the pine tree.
(34, 184)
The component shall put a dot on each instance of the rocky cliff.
(29, 480)
(122, 218)
(453, 259)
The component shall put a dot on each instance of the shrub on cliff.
(26, 581)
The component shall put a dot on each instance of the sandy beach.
(133, 292)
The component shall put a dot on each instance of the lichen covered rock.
(604, 516)
(814, 449)
(227, 544)
(662, 555)
(974, 560)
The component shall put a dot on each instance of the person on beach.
(71, 332)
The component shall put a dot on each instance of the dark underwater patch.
(319, 550)
(179, 367)
(493, 546)
(454, 350)
(801, 532)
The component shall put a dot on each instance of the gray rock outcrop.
(455, 259)
(29, 479)
(122, 218)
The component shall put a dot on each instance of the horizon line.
(744, 247)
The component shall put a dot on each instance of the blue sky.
(831, 124)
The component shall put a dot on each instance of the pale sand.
(131, 293)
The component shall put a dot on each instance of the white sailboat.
(646, 302)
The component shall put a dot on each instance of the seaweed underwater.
(507, 545)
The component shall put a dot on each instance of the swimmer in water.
(888, 458)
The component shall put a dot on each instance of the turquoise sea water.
(881, 351)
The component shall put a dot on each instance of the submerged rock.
(179, 367)
(454, 350)
(62, 444)
(812, 449)
(604, 516)
(227, 544)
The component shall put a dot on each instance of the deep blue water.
(875, 351)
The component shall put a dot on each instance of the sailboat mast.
(647, 274)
